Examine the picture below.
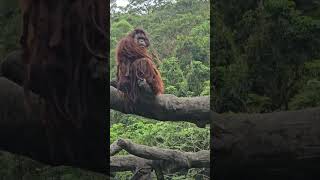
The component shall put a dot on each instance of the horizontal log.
(280, 145)
(128, 163)
(143, 156)
(23, 132)
(163, 107)
(166, 107)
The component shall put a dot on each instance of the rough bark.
(114, 148)
(148, 158)
(164, 107)
(195, 110)
(24, 133)
(139, 166)
(280, 145)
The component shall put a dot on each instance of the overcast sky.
(122, 2)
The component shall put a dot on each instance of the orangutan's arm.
(146, 74)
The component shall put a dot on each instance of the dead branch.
(114, 148)
(145, 157)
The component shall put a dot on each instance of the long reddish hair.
(134, 63)
(128, 50)
(59, 38)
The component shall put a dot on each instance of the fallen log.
(159, 159)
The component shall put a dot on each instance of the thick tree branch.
(166, 107)
(24, 132)
(146, 157)
(114, 148)
(127, 163)
(273, 144)
(139, 166)
(198, 159)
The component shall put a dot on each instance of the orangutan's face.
(141, 40)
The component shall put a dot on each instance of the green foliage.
(206, 89)
(119, 30)
(260, 49)
(256, 103)
(181, 136)
(179, 33)
(196, 77)
(312, 69)
(173, 77)
(309, 96)
(232, 89)
(9, 31)
(194, 46)
(7, 6)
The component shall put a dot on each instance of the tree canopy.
(265, 55)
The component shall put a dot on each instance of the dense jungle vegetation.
(180, 35)
(265, 55)
(179, 32)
